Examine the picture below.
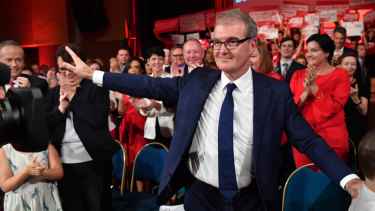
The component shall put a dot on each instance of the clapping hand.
(23, 82)
(354, 92)
(175, 70)
(311, 75)
(34, 168)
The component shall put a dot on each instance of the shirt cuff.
(97, 78)
(347, 179)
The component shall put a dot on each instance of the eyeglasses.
(230, 44)
(178, 55)
(62, 70)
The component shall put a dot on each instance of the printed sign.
(307, 31)
(192, 36)
(277, 19)
(262, 15)
(178, 38)
(369, 18)
(268, 34)
(312, 20)
(350, 17)
(353, 28)
(328, 15)
(295, 22)
(210, 16)
(327, 30)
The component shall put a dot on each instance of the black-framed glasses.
(230, 44)
(62, 69)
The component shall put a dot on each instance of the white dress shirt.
(72, 149)
(203, 154)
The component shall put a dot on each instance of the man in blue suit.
(262, 109)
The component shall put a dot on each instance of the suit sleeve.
(141, 86)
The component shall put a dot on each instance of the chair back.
(149, 163)
(307, 190)
(119, 166)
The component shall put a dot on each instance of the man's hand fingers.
(73, 55)
(69, 66)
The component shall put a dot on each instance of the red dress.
(131, 133)
(325, 113)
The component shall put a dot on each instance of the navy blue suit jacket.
(293, 68)
(274, 112)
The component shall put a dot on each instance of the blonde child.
(27, 178)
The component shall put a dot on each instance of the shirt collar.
(242, 83)
(341, 51)
(288, 62)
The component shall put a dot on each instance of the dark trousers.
(86, 186)
(198, 197)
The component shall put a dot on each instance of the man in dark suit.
(12, 54)
(339, 36)
(178, 62)
(77, 116)
(261, 109)
(286, 65)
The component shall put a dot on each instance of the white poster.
(192, 36)
(179, 38)
(353, 28)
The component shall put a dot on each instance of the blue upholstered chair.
(308, 190)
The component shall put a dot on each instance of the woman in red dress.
(132, 125)
(321, 91)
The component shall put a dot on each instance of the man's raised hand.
(81, 69)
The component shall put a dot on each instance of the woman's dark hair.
(135, 58)
(157, 51)
(348, 54)
(325, 42)
(65, 56)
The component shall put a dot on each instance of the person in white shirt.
(366, 156)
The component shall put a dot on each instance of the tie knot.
(231, 87)
(285, 65)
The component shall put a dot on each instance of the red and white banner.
(262, 15)
(340, 6)
(210, 18)
(353, 28)
(328, 15)
(293, 9)
(312, 20)
(268, 34)
(167, 25)
(307, 31)
(349, 17)
(361, 4)
(327, 30)
(295, 22)
(369, 19)
(192, 22)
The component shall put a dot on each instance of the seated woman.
(261, 61)
(357, 106)
(321, 91)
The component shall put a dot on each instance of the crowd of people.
(286, 93)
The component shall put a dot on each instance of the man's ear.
(252, 45)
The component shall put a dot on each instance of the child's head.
(366, 155)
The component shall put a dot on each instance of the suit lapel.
(262, 97)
